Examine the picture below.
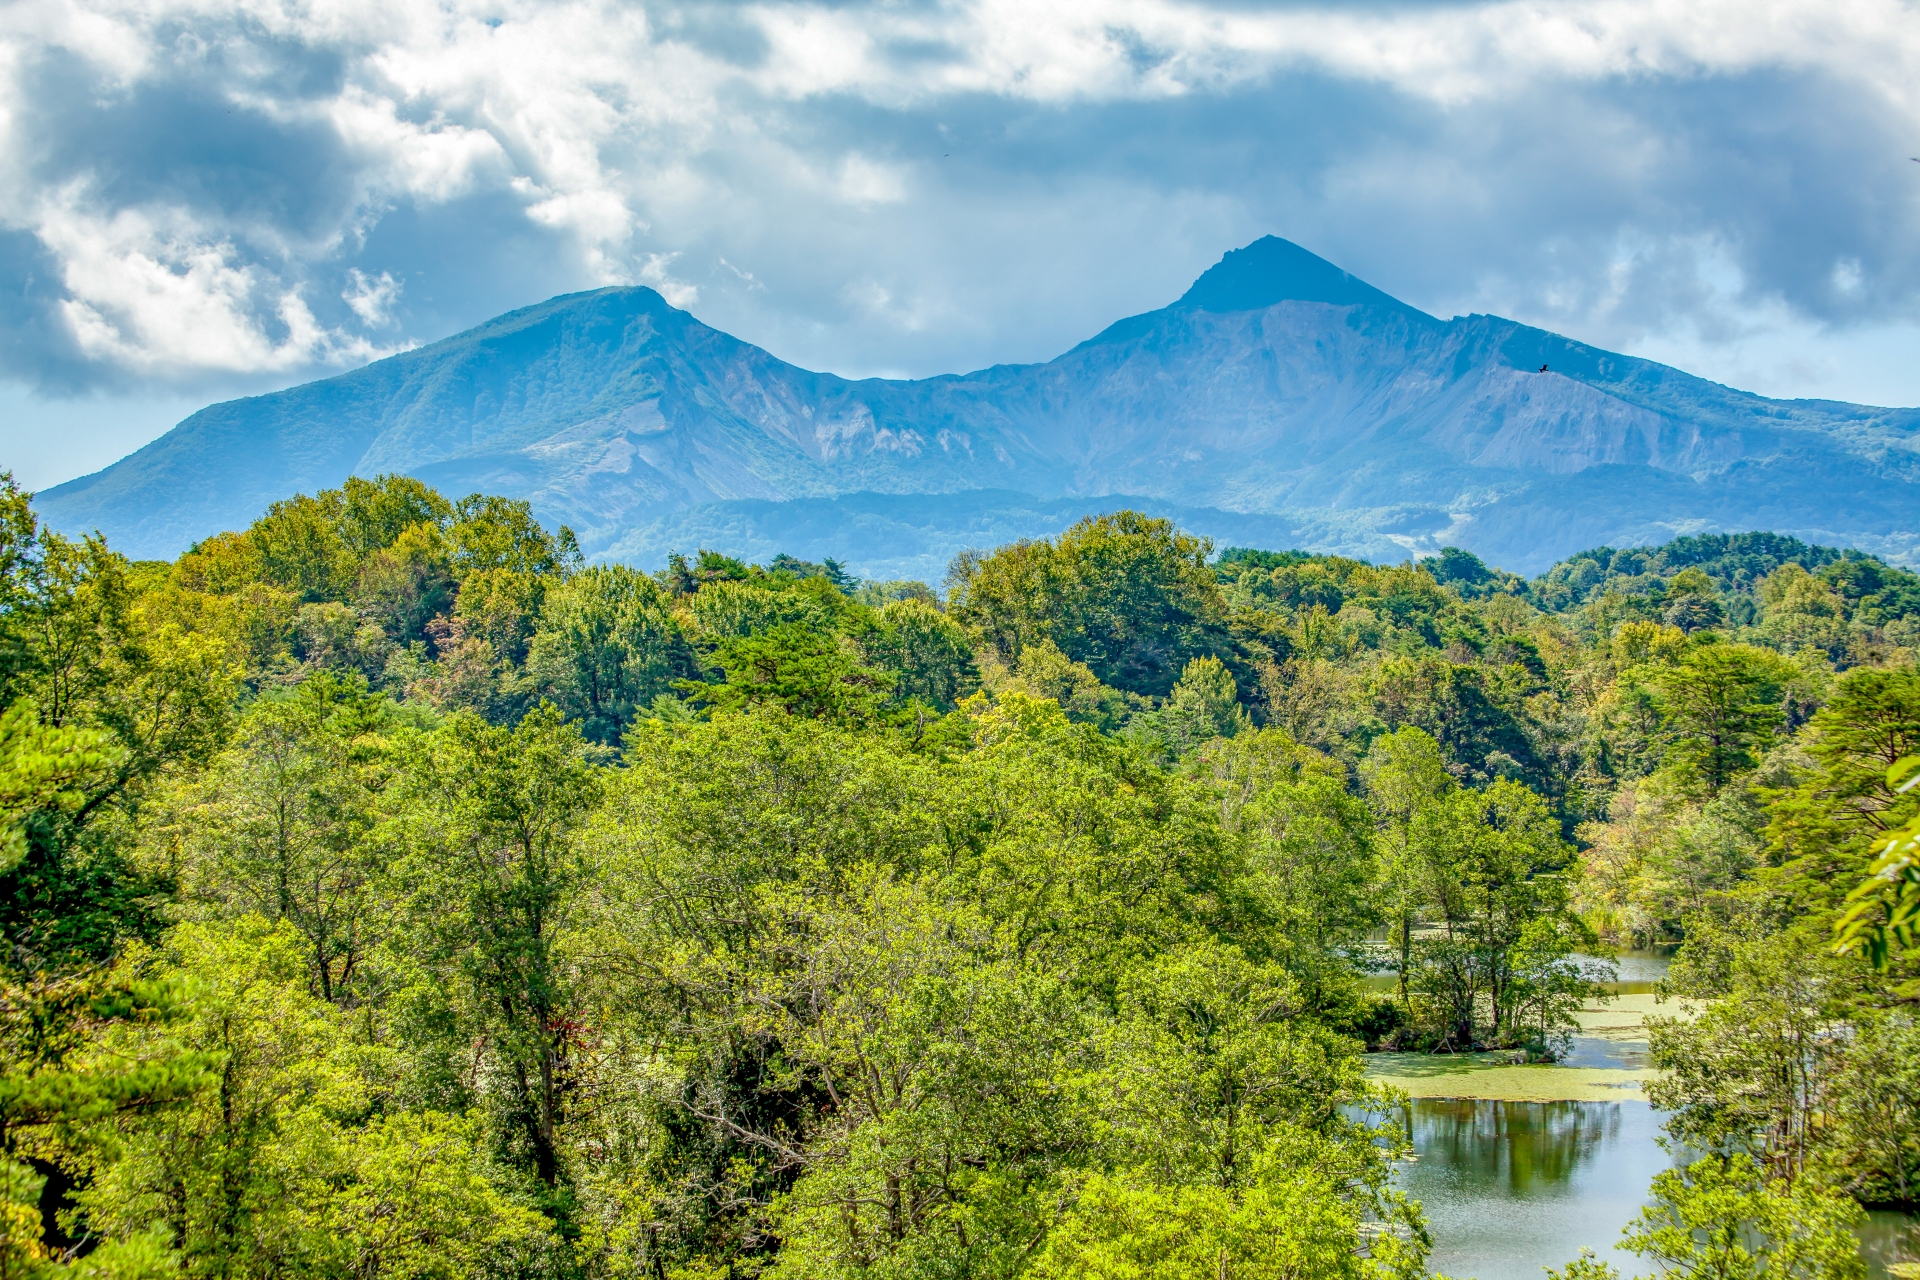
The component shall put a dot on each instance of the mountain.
(1279, 398)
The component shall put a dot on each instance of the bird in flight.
(1543, 368)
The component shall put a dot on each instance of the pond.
(1512, 1186)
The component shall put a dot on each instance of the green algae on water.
(1497, 1077)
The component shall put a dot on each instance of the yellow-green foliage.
(389, 893)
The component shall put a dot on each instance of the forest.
(390, 893)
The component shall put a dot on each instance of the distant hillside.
(1278, 390)
(1760, 588)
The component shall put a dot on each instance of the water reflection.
(1642, 965)
(1612, 1054)
(1526, 1150)
(1887, 1238)
(1511, 1187)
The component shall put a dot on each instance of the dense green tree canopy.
(1130, 597)
(390, 893)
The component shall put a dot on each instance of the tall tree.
(1407, 781)
(282, 825)
(490, 819)
(1721, 706)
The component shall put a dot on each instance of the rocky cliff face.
(1278, 391)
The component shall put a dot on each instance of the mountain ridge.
(1345, 413)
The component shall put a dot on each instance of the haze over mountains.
(1279, 402)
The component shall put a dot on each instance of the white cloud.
(155, 294)
(1450, 53)
(1848, 278)
(371, 298)
(745, 277)
(436, 160)
(653, 271)
(643, 138)
(864, 181)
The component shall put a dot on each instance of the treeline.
(389, 893)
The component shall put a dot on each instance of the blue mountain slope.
(1278, 396)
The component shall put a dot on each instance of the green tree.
(22, 562)
(1827, 823)
(730, 609)
(1720, 1219)
(300, 547)
(1487, 872)
(1467, 708)
(1291, 1225)
(1204, 704)
(405, 585)
(490, 819)
(1131, 597)
(1501, 910)
(1862, 807)
(280, 1163)
(1692, 602)
(1870, 1144)
(44, 770)
(1883, 913)
(929, 653)
(1310, 855)
(1407, 782)
(931, 1060)
(417, 1201)
(1210, 1065)
(1748, 1072)
(607, 646)
(490, 532)
(282, 824)
(1720, 706)
(230, 1170)
(99, 658)
(806, 673)
(375, 514)
(1045, 672)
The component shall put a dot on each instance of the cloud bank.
(198, 196)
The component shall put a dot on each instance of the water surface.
(1511, 1187)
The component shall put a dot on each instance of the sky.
(201, 199)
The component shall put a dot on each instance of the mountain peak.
(1348, 418)
(1272, 270)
